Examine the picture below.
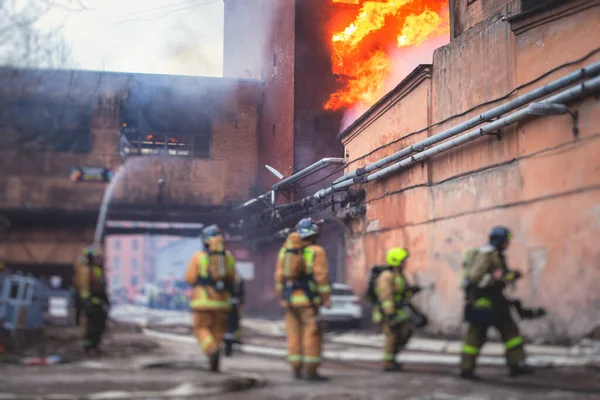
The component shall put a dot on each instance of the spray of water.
(108, 193)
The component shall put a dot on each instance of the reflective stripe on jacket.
(206, 297)
(390, 288)
(317, 267)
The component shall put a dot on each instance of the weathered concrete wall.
(538, 179)
(467, 13)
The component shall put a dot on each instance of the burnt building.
(182, 149)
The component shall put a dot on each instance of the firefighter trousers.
(94, 325)
(233, 334)
(395, 340)
(477, 336)
(304, 336)
(209, 328)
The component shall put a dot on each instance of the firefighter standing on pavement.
(234, 329)
(94, 299)
(302, 280)
(485, 280)
(80, 263)
(212, 273)
(393, 295)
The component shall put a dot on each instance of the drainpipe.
(585, 72)
(565, 96)
(307, 171)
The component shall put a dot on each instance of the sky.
(148, 36)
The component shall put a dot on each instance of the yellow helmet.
(395, 256)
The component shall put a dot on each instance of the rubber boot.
(396, 367)
(520, 369)
(315, 377)
(469, 375)
(213, 361)
(228, 348)
(297, 373)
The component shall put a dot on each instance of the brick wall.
(537, 179)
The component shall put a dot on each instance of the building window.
(116, 263)
(134, 281)
(529, 5)
(134, 244)
(134, 264)
(117, 281)
(274, 59)
(117, 244)
(56, 125)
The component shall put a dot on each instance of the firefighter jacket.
(205, 295)
(92, 284)
(315, 287)
(393, 294)
(484, 289)
(78, 271)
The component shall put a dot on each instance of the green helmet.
(396, 256)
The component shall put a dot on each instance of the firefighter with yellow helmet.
(212, 274)
(94, 298)
(302, 281)
(392, 295)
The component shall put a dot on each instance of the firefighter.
(486, 276)
(79, 264)
(212, 273)
(234, 331)
(94, 299)
(393, 297)
(301, 279)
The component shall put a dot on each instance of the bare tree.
(23, 43)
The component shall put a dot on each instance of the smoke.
(404, 61)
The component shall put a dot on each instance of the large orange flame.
(362, 52)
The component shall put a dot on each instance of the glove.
(414, 289)
(532, 313)
(511, 276)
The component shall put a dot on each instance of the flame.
(417, 28)
(362, 52)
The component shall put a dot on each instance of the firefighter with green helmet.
(391, 293)
(485, 276)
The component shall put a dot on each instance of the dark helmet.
(211, 231)
(307, 227)
(499, 235)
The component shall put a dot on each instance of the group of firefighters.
(302, 282)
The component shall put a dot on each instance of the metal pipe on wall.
(592, 69)
(565, 96)
(585, 72)
(322, 163)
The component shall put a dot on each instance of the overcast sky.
(152, 36)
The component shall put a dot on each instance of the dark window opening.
(273, 133)
(154, 122)
(62, 126)
(530, 5)
(274, 59)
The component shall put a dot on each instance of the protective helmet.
(307, 227)
(211, 231)
(499, 235)
(396, 256)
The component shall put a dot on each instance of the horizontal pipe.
(565, 96)
(587, 71)
(252, 201)
(308, 170)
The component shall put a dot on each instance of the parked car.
(345, 305)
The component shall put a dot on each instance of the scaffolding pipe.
(565, 96)
(308, 170)
(586, 72)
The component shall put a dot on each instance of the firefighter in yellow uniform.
(301, 299)
(393, 296)
(211, 301)
(82, 261)
(487, 306)
(94, 299)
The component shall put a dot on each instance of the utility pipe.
(324, 162)
(565, 96)
(308, 170)
(585, 72)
